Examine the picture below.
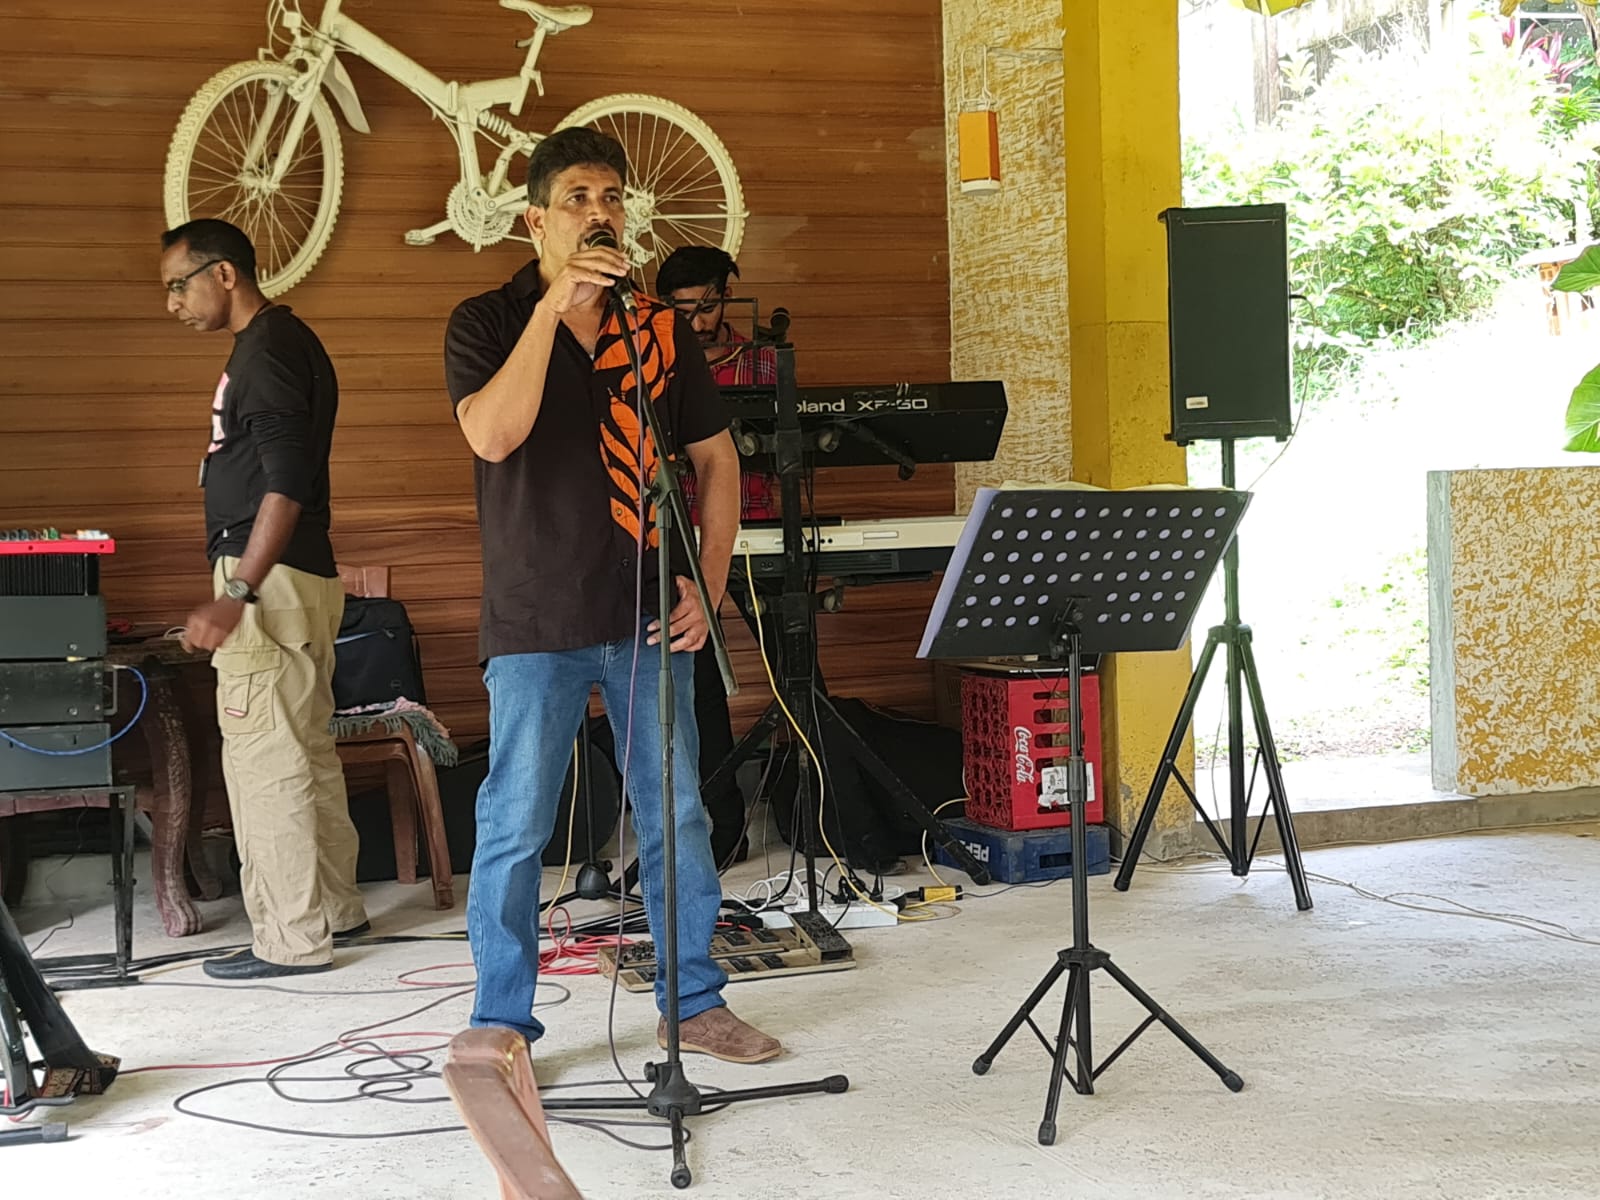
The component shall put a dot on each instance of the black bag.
(863, 822)
(375, 659)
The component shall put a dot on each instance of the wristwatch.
(238, 589)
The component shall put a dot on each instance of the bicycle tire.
(277, 270)
(663, 238)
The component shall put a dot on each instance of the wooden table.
(174, 676)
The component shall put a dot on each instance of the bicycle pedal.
(416, 237)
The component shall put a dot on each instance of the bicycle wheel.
(211, 172)
(683, 189)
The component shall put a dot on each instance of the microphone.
(622, 289)
(778, 330)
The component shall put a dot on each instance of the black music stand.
(1052, 573)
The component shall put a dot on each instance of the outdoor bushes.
(1412, 184)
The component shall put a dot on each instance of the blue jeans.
(536, 703)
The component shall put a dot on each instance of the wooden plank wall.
(832, 111)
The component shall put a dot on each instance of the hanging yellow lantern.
(978, 135)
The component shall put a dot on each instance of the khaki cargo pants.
(291, 819)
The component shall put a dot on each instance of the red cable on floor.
(574, 956)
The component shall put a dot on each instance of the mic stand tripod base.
(672, 1098)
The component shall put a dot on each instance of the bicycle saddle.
(558, 19)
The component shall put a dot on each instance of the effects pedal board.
(807, 947)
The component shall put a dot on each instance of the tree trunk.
(1268, 79)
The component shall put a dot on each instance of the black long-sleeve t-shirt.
(271, 431)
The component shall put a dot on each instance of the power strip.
(855, 916)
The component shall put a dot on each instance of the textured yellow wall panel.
(1514, 606)
(1008, 248)
(1087, 378)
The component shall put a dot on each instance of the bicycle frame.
(464, 107)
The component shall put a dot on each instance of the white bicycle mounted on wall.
(258, 145)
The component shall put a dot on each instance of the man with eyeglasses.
(695, 281)
(277, 606)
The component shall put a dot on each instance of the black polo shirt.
(560, 516)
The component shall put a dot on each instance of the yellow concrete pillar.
(1123, 167)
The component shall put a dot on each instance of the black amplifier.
(53, 757)
(56, 694)
(41, 693)
(45, 627)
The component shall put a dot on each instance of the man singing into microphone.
(541, 383)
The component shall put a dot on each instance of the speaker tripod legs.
(1244, 684)
(1277, 795)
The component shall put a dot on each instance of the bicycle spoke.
(690, 236)
(682, 190)
(202, 198)
(683, 136)
(238, 151)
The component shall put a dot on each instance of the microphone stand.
(672, 1096)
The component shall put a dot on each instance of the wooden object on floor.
(411, 781)
(491, 1079)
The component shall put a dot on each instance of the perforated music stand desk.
(1054, 573)
(1135, 562)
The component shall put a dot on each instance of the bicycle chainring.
(473, 217)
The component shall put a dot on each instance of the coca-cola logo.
(1022, 744)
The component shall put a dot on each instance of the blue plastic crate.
(1028, 855)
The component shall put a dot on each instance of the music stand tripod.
(1241, 680)
(1052, 573)
(672, 1096)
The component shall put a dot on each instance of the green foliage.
(1583, 415)
(1582, 274)
(1393, 614)
(1412, 184)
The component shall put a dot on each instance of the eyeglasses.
(178, 286)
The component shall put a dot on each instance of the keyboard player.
(696, 280)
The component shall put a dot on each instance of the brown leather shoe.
(719, 1033)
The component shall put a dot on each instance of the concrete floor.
(1387, 1052)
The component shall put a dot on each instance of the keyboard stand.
(813, 711)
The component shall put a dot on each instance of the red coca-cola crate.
(1016, 742)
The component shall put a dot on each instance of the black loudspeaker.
(1228, 317)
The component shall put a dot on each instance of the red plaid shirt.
(752, 366)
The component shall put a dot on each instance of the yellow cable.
(772, 682)
(925, 857)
